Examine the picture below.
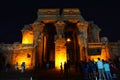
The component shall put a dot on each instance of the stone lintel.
(96, 45)
(71, 11)
(48, 11)
(48, 17)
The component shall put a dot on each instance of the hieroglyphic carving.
(82, 27)
(82, 39)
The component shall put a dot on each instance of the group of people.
(100, 70)
(8, 67)
(65, 68)
(5, 67)
(91, 70)
(23, 65)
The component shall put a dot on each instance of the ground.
(43, 74)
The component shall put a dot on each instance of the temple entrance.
(50, 31)
(70, 32)
(69, 46)
(71, 42)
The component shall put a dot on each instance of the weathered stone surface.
(33, 48)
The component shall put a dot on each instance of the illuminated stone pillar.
(38, 42)
(60, 52)
(45, 55)
(60, 48)
(105, 52)
(82, 39)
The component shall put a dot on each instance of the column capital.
(60, 24)
(38, 26)
(82, 24)
(59, 27)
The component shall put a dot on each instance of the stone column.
(38, 42)
(60, 48)
(59, 27)
(82, 39)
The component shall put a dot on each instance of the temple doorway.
(71, 42)
(50, 31)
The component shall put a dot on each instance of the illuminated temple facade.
(58, 36)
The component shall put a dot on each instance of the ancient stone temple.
(55, 37)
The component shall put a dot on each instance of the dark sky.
(15, 14)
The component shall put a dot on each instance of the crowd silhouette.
(90, 70)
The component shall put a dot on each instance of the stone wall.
(18, 53)
(114, 48)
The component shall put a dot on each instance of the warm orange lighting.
(104, 55)
(48, 21)
(68, 39)
(27, 38)
(23, 58)
(60, 57)
(95, 58)
(73, 21)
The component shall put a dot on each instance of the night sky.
(15, 14)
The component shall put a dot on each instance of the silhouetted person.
(47, 65)
(23, 67)
(113, 69)
(61, 69)
(85, 71)
(100, 69)
(16, 66)
(65, 69)
(7, 67)
(107, 70)
(68, 66)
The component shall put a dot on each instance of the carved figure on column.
(82, 39)
(38, 29)
(82, 28)
(59, 28)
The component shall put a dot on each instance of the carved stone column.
(60, 48)
(59, 27)
(82, 39)
(38, 29)
(38, 42)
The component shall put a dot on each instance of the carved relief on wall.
(82, 28)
